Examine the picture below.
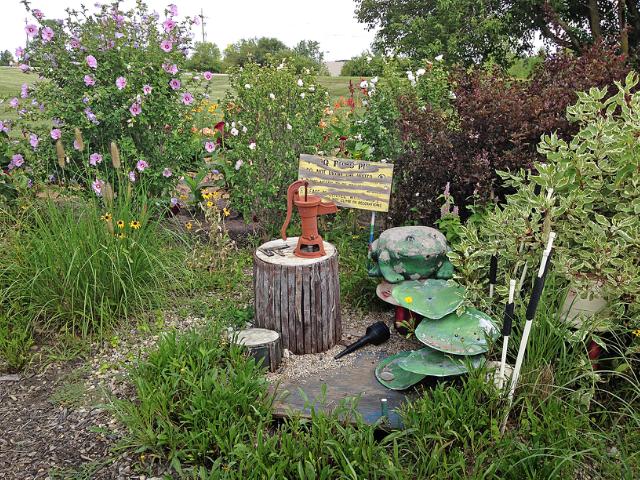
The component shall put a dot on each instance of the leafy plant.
(272, 115)
(16, 338)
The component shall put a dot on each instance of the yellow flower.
(121, 236)
(408, 299)
(216, 195)
(209, 204)
(120, 224)
(188, 225)
(636, 332)
(106, 217)
(135, 224)
(184, 197)
(226, 212)
(206, 195)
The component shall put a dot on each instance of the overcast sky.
(331, 22)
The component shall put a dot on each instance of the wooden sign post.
(347, 182)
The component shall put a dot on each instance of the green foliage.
(310, 49)
(199, 400)
(252, 50)
(590, 196)
(206, 56)
(6, 58)
(15, 338)
(272, 115)
(472, 32)
(364, 65)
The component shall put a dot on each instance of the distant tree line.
(305, 54)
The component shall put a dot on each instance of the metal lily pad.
(430, 298)
(392, 376)
(464, 334)
(384, 291)
(430, 362)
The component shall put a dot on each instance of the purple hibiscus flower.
(135, 109)
(34, 140)
(24, 91)
(209, 146)
(146, 89)
(91, 61)
(97, 185)
(132, 176)
(47, 34)
(19, 52)
(95, 159)
(24, 68)
(174, 83)
(173, 10)
(14, 102)
(168, 25)
(74, 43)
(89, 81)
(121, 82)
(166, 45)
(142, 165)
(207, 75)
(56, 133)
(187, 98)
(31, 30)
(167, 172)
(37, 13)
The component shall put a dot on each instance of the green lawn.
(11, 79)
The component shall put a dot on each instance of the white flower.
(329, 112)
(439, 58)
(410, 76)
(420, 72)
(234, 132)
(281, 66)
(369, 59)
(247, 86)
(365, 103)
(238, 164)
(452, 96)
(300, 82)
(244, 129)
(364, 84)
(252, 146)
(375, 79)
(233, 124)
(302, 95)
(359, 137)
(312, 88)
(371, 92)
(272, 96)
(307, 71)
(289, 127)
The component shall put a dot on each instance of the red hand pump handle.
(291, 191)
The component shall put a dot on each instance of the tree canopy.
(206, 56)
(473, 31)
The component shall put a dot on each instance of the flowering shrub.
(116, 76)
(272, 115)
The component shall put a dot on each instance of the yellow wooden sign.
(347, 182)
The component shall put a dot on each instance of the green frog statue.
(410, 253)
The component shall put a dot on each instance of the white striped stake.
(506, 331)
(493, 274)
(531, 313)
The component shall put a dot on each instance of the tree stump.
(298, 297)
(263, 345)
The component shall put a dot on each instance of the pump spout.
(376, 334)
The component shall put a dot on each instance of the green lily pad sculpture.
(430, 298)
(389, 373)
(464, 334)
(433, 363)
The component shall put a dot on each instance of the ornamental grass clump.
(82, 263)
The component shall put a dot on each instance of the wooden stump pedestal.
(298, 297)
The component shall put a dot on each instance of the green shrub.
(587, 192)
(272, 115)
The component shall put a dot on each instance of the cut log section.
(298, 297)
(263, 345)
